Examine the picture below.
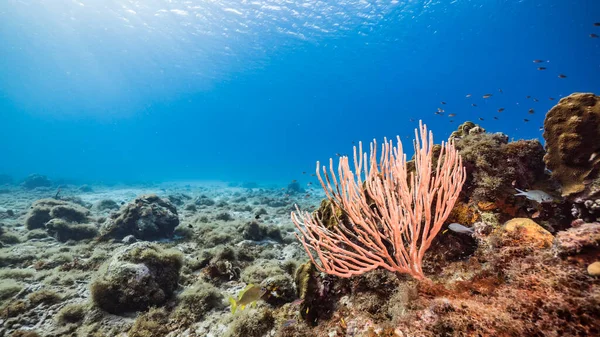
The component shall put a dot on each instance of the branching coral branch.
(391, 214)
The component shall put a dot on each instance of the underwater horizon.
(128, 91)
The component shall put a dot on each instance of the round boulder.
(148, 217)
(137, 277)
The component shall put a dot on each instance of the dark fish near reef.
(474, 104)
(551, 98)
(562, 76)
(458, 228)
(535, 99)
(593, 36)
(525, 120)
(249, 296)
(528, 97)
(535, 195)
(501, 109)
(500, 90)
(539, 61)
(496, 118)
(597, 24)
(541, 68)
(531, 111)
(443, 102)
(480, 118)
(487, 95)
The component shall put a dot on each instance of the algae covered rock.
(64, 230)
(137, 277)
(580, 239)
(148, 217)
(59, 216)
(572, 133)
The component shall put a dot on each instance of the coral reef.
(571, 131)
(136, 277)
(148, 217)
(523, 268)
(495, 167)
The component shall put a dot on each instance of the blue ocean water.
(124, 91)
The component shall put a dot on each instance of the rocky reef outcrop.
(148, 217)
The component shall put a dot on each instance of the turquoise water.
(124, 91)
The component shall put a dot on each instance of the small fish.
(451, 121)
(480, 118)
(562, 76)
(597, 24)
(458, 228)
(303, 172)
(411, 119)
(500, 90)
(541, 128)
(337, 154)
(551, 98)
(496, 118)
(535, 195)
(539, 61)
(541, 68)
(593, 36)
(525, 120)
(528, 97)
(487, 95)
(443, 102)
(468, 95)
(440, 110)
(535, 99)
(249, 296)
(474, 104)
(531, 111)
(451, 115)
(438, 113)
(501, 109)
